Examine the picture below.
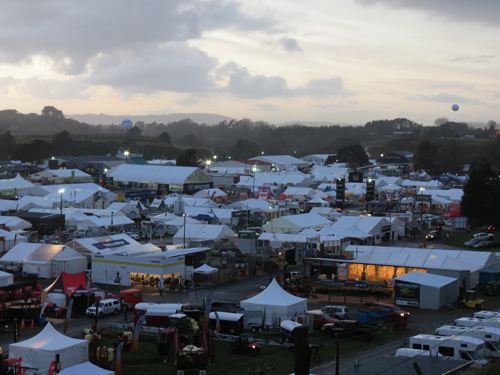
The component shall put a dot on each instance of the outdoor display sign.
(193, 188)
(355, 177)
(370, 190)
(407, 294)
(340, 190)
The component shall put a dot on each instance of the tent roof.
(274, 295)
(205, 232)
(85, 369)
(49, 339)
(153, 173)
(205, 268)
(33, 251)
(426, 279)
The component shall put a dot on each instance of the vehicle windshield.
(250, 339)
(474, 355)
(101, 305)
(396, 308)
(491, 346)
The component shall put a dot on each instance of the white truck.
(490, 336)
(454, 347)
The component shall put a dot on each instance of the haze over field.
(348, 61)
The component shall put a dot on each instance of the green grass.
(148, 361)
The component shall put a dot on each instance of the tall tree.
(355, 155)
(188, 158)
(51, 111)
(34, 152)
(7, 145)
(481, 199)
(63, 145)
(425, 157)
(164, 137)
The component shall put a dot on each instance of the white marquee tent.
(39, 351)
(275, 303)
(6, 278)
(202, 232)
(86, 368)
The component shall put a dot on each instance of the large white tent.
(6, 278)
(275, 303)
(41, 350)
(202, 232)
(296, 223)
(10, 240)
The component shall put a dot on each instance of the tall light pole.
(126, 153)
(184, 239)
(421, 207)
(61, 192)
(254, 169)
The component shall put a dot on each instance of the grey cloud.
(267, 107)
(290, 44)
(324, 87)
(175, 67)
(448, 98)
(483, 11)
(47, 89)
(480, 59)
(71, 33)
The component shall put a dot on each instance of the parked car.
(350, 329)
(320, 318)
(480, 245)
(245, 344)
(337, 312)
(472, 242)
(492, 244)
(483, 235)
(487, 228)
(388, 308)
(106, 307)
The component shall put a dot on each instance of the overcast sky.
(342, 61)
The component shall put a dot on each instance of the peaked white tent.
(6, 278)
(86, 369)
(205, 269)
(275, 303)
(39, 351)
(202, 232)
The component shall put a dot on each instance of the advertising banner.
(407, 294)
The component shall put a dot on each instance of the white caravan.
(454, 347)
(407, 352)
(487, 314)
(490, 336)
(474, 322)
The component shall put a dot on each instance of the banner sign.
(110, 244)
(193, 188)
(208, 308)
(68, 316)
(355, 177)
(134, 346)
(407, 294)
(244, 213)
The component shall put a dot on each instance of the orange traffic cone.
(22, 324)
(371, 300)
(32, 324)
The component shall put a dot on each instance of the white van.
(473, 322)
(454, 347)
(106, 307)
(490, 336)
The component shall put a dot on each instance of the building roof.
(154, 173)
(427, 279)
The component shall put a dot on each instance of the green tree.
(188, 158)
(355, 155)
(34, 152)
(164, 137)
(7, 145)
(331, 159)
(134, 131)
(51, 111)
(481, 199)
(63, 144)
(425, 157)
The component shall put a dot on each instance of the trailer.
(286, 333)
(454, 347)
(490, 336)
(473, 322)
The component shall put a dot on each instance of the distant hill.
(318, 123)
(102, 119)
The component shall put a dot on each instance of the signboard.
(455, 207)
(340, 190)
(108, 180)
(243, 213)
(423, 198)
(314, 239)
(195, 187)
(247, 234)
(278, 260)
(163, 189)
(265, 189)
(110, 244)
(407, 294)
(402, 214)
(282, 197)
(355, 177)
(386, 228)
(370, 190)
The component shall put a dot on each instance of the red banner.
(52, 368)
(455, 207)
(134, 346)
(68, 315)
(118, 363)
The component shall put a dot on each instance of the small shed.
(425, 290)
(487, 275)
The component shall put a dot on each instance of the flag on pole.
(208, 307)
(118, 363)
(137, 331)
(68, 315)
(217, 322)
(194, 286)
(52, 368)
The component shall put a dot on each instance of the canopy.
(205, 269)
(68, 283)
(451, 214)
(275, 303)
(39, 351)
(85, 369)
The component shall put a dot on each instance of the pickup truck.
(350, 329)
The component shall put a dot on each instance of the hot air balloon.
(127, 124)
(454, 107)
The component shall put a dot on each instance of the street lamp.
(184, 240)
(126, 153)
(421, 207)
(61, 192)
